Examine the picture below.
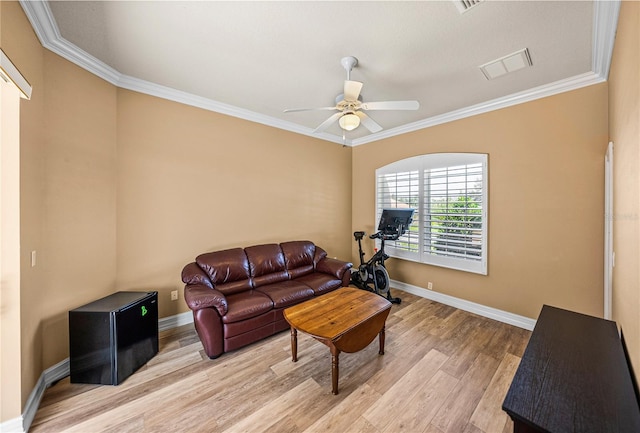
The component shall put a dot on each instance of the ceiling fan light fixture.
(349, 122)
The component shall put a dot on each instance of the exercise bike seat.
(358, 235)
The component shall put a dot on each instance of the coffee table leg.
(381, 338)
(334, 370)
(294, 344)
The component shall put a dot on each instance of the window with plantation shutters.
(401, 190)
(449, 194)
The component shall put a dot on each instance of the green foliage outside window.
(456, 226)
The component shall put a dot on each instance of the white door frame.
(609, 255)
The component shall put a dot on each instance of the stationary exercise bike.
(372, 275)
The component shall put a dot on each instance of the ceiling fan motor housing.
(349, 63)
(340, 98)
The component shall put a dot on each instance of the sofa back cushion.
(227, 269)
(298, 257)
(267, 264)
(319, 255)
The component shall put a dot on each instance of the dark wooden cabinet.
(573, 377)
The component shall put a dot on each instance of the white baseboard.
(472, 307)
(61, 370)
(175, 321)
(12, 426)
(47, 378)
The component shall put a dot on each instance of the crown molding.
(605, 20)
(152, 89)
(44, 24)
(561, 86)
(605, 24)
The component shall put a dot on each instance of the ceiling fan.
(350, 107)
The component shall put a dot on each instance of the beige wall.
(9, 247)
(68, 189)
(24, 49)
(119, 190)
(79, 230)
(192, 181)
(29, 55)
(624, 131)
(546, 186)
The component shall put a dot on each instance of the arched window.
(449, 194)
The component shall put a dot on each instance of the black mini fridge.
(112, 337)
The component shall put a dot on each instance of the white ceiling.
(255, 59)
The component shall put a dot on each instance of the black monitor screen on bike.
(395, 220)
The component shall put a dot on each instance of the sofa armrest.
(335, 267)
(198, 296)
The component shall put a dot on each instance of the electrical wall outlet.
(430, 285)
(174, 295)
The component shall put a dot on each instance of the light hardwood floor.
(444, 370)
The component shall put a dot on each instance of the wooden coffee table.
(346, 320)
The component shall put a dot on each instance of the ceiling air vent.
(512, 62)
(465, 5)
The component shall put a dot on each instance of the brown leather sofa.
(238, 295)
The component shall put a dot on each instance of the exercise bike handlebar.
(389, 236)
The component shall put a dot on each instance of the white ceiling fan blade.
(368, 122)
(324, 125)
(293, 110)
(391, 105)
(352, 90)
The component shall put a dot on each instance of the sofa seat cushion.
(249, 325)
(246, 305)
(256, 334)
(320, 283)
(286, 293)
